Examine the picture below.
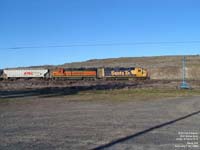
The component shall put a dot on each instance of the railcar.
(77, 74)
(25, 73)
(81, 73)
(101, 73)
(123, 73)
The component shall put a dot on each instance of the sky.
(32, 32)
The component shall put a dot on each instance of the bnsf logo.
(28, 73)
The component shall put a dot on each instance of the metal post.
(184, 69)
(184, 84)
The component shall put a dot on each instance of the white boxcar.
(25, 73)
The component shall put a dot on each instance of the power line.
(100, 44)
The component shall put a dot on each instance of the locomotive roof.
(79, 68)
(26, 69)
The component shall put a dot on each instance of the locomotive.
(77, 73)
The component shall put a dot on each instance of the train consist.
(76, 74)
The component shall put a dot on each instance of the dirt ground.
(21, 84)
(73, 122)
(97, 115)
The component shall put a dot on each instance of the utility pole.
(184, 84)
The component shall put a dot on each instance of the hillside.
(160, 67)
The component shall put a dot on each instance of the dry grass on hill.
(159, 67)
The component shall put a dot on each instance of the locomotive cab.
(139, 73)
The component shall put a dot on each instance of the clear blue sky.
(25, 23)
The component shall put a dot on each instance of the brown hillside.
(160, 67)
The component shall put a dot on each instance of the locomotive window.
(139, 70)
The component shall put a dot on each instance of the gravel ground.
(63, 123)
(21, 84)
